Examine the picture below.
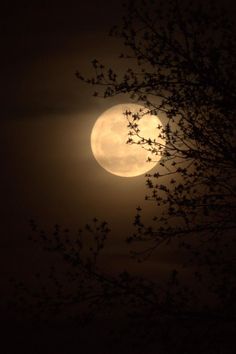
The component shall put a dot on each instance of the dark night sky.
(47, 169)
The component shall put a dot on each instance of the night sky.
(48, 172)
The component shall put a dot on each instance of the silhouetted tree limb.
(182, 68)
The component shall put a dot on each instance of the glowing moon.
(109, 136)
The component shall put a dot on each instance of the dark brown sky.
(47, 169)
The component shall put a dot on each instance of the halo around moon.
(110, 134)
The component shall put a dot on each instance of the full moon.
(109, 141)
